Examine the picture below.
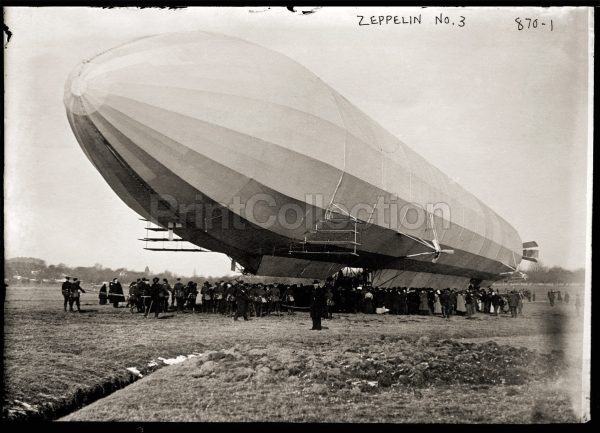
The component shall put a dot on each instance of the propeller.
(435, 245)
(514, 271)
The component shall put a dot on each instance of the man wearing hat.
(66, 290)
(179, 291)
(115, 292)
(155, 297)
(74, 295)
(241, 301)
(144, 293)
(316, 305)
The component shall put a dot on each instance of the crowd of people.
(340, 294)
(226, 298)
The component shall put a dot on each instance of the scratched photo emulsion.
(298, 215)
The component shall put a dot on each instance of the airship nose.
(85, 89)
(78, 86)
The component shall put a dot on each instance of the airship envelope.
(246, 152)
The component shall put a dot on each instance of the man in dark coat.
(115, 292)
(241, 301)
(136, 290)
(495, 302)
(102, 294)
(144, 294)
(191, 291)
(316, 305)
(551, 297)
(179, 291)
(66, 290)
(513, 303)
(446, 301)
(470, 303)
(486, 300)
(74, 295)
(155, 297)
(403, 301)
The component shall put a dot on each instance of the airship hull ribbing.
(247, 150)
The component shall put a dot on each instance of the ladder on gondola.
(335, 234)
(168, 243)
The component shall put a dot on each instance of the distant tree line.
(538, 273)
(32, 270)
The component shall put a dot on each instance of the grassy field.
(362, 368)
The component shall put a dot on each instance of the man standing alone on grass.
(513, 303)
(316, 305)
(66, 290)
(551, 297)
(74, 296)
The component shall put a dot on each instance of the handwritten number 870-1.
(531, 23)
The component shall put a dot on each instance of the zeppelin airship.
(238, 149)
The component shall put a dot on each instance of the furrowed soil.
(362, 368)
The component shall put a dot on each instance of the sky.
(502, 111)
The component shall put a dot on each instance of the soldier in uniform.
(74, 295)
(241, 300)
(66, 291)
(316, 305)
